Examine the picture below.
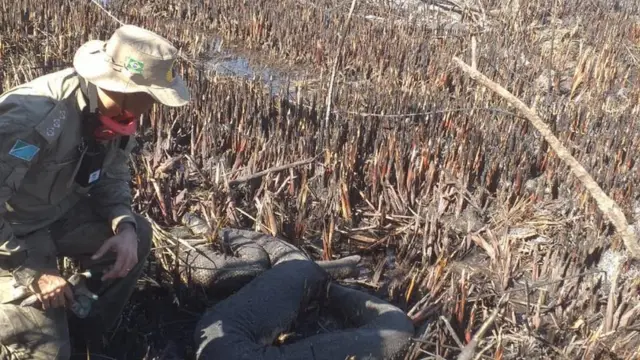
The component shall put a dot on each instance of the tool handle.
(75, 281)
(31, 300)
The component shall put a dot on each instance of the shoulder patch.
(51, 126)
(23, 150)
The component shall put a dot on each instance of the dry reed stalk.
(333, 74)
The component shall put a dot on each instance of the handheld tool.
(83, 297)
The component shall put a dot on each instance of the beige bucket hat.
(133, 60)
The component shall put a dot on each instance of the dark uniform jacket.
(40, 148)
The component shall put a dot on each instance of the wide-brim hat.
(133, 60)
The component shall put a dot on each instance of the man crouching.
(65, 140)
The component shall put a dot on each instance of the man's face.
(115, 103)
(138, 103)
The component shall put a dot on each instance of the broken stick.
(609, 207)
(469, 350)
(271, 170)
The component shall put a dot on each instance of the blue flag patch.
(23, 150)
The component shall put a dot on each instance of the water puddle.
(232, 64)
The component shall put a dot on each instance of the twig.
(197, 168)
(161, 200)
(474, 53)
(167, 165)
(611, 301)
(526, 322)
(481, 352)
(108, 13)
(325, 124)
(435, 356)
(271, 170)
(434, 112)
(470, 348)
(121, 23)
(609, 207)
(537, 285)
(453, 332)
(551, 346)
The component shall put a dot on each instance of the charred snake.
(270, 284)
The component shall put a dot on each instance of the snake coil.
(272, 291)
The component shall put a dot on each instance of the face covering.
(109, 128)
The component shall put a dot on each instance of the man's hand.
(125, 245)
(53, 291)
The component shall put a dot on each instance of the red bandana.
(124, 124)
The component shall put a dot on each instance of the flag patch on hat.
(134, 66)
(169, 75)
(23, 150)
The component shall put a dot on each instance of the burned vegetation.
(467, 220)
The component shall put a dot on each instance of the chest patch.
(52, 125)
(23, 150)
(94, 176)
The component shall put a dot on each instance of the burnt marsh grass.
(464, 214)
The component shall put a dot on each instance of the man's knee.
(38, 334)
(145, 235)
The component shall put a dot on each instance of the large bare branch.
(609, 207)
